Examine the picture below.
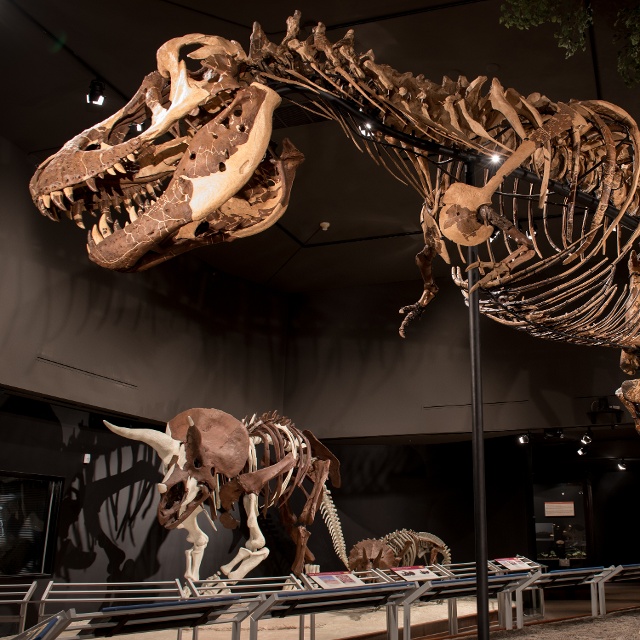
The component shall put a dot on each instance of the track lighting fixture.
(582, 451)
(95, 95)
(586, 438)
(622, 465)
(553, 433)
(524, 438)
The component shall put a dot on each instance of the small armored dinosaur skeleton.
(402, 548)
(202, 171)
(211, 459)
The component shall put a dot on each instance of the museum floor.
(565, 616)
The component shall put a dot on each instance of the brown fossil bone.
(214, 180)
(398, 548)
(554, 221)
(211, 460)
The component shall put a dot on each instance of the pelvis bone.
(199, 172)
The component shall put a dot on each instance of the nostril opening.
(197, 463)
(222, 167)
(192, 156)
(238, 112)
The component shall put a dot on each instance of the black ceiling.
(53, 48)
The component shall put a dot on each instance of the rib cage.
(580, 188)
(278, 435)
(410, 546)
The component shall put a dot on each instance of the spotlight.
(366, 130)
(524, 438)
(96, 92)
(528, 231)
(582, 451)
(586, 438)
(622, 465)
(495, 158)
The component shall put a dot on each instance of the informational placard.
(513, 564)
(335, 579)
(415, 573)
(559, 509)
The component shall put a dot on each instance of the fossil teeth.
(119, 167)
(56, 196)
(111, 171)
(68, 191)
(91, 183)
(103, 226)
(116, 225)
(46, 200)
(95, 234)
(131, 157)
(131, 210)
(77, 214)
(150, 190)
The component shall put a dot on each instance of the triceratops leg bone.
(254, 551)
(199, 540)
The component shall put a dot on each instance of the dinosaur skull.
(202, 448)
(185, 163)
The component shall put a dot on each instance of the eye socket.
(197, 463)
(92, 147)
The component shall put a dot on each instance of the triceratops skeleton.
(196, 175)
(210, 458)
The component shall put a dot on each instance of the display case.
(560, 512)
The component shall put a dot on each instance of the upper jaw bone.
(193, 192)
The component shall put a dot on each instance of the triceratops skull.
(201, 448)
(201, 172)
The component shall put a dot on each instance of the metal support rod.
(477, 428)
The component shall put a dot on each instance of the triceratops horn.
(166, 447)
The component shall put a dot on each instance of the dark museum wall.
(107, 528)
(348, 372)
(151, 344)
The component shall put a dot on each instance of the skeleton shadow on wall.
(109, 505)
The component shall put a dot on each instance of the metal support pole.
(477, 426)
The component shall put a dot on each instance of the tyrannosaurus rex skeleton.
(202, 171)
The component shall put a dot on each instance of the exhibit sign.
(513, 564)
(335, 579)
(559, 509)
(415, 573)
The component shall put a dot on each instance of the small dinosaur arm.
(210, 459)
(203, 171)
